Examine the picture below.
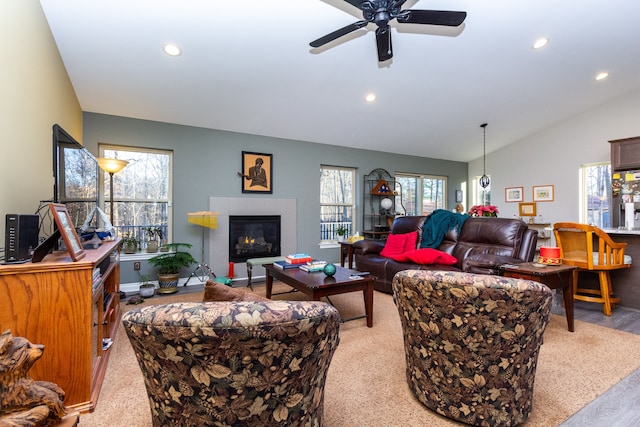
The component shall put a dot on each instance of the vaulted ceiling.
(246, 66)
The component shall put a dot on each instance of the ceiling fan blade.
(338, 33)
(432, 17)
(356, 3)
(383, 41)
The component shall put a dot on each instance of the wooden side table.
(346, 252)
(554, 276)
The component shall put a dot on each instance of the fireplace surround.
(227, 206)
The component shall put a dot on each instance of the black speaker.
(21, 237)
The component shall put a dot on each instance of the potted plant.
(169, 265)
(129, 243)
(147, 289)
(155, 235)
(341, 231)
(484, 211)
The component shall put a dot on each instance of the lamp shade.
(386, 203)
(204, 219)
(111, 165)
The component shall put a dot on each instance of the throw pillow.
(430, 256)
(395, 245)
(412, 241)
(401, 257)
(214, 291)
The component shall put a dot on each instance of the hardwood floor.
(619, 406)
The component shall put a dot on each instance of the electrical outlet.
(136, 265)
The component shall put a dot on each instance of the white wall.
(555, 155)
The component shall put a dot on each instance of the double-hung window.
(337, 202)
(141, 191)
(422, 194)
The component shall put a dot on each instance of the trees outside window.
(337, 202)
(481, 196)
(422, 194)
(596, 194)
(141, 191)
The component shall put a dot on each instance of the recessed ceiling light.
(601, 76)
(370, 97)
(540, 43)
(172, 49)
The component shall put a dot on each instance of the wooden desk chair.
(591, 249)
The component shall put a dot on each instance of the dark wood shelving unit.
(376, 221)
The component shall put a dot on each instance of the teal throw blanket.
(438, 224)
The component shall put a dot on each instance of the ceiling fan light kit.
(380, 12)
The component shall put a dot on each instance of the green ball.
(329, 269)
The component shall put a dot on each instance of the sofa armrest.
(487, 263)
(367, 246)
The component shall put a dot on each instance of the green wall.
(206, 163)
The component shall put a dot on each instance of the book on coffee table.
(283, 265)
(298, 258)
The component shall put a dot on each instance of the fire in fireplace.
(253, 236)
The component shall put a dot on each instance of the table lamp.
(111, 166)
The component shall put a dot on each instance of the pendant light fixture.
(484, 179)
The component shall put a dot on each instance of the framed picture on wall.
(257, 172)
(543, 193)
(67, 231)
(513, 194)
(458, 196)
(527, 209)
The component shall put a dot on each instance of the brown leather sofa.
(480, 246)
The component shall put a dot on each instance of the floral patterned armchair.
(235, 363)
(471, 342)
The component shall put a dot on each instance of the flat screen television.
(75, 173)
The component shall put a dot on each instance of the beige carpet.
(366, 383)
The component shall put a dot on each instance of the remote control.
(360, 273)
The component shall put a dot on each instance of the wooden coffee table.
(554, 276)
(318, 285)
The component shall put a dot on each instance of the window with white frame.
(481, 196)
(337, 202)
(422, 194)
(141, 191)
(595, 203)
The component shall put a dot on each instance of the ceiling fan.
(380, 12)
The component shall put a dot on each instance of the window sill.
(139, 256)
(329, 244)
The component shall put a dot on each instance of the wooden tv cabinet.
(54, 303)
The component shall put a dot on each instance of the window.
(481, 196)
(421, 194)
(595, 193)
(337, 201)
(141, 191)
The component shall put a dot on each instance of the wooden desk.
(346, 251)
(554, 276)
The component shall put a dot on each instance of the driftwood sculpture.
(23, 401)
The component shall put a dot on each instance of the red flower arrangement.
(484, 210)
